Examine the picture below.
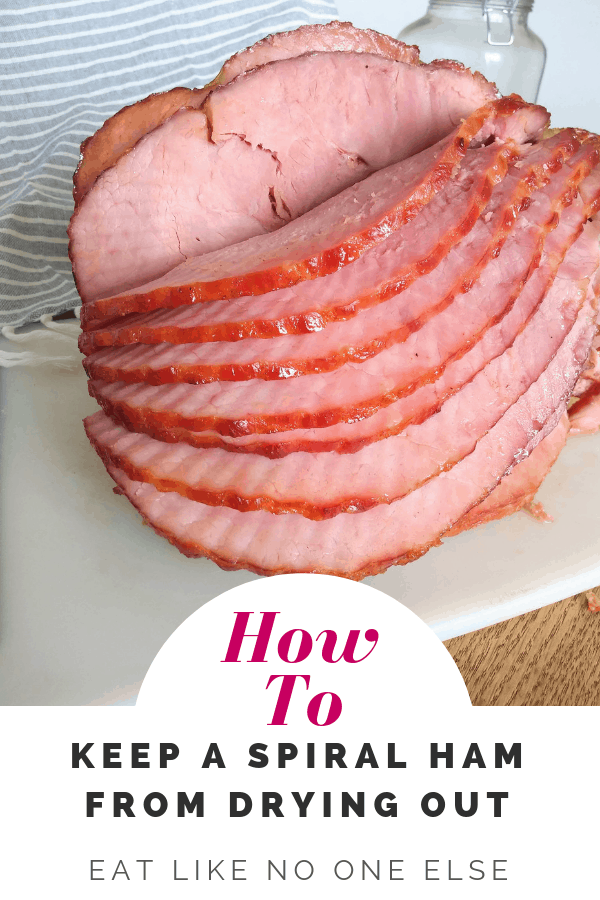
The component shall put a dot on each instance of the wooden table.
(550, 657)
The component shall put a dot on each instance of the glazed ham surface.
(387, 359)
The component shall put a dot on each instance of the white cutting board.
(88, 593)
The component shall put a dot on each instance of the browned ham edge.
(121, 133)
(341, 36)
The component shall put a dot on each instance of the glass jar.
(491, 36)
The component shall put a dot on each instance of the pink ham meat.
(518, 489)
(323, 240)
(319, 485)
(354, 391)
(348, 437)
(585, 412)
(132, 228)
(419, 246)
(376, 276)
(354, 546)
(121, 132)
(591, 373)
(380, 327)
(389, 267)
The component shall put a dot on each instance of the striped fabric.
(67, 66)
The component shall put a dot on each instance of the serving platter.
(88, 594)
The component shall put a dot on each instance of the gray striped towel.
(67, 66)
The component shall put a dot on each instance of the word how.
(296, 646)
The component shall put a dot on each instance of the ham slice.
(354, 546)
(325, 239)
(382, 305)
(518, 489)
(355, 391)
(121, 132)
(380, 327)
(321, 485)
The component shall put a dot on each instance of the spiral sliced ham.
(374, 276)
(349, 436)
(381, 273)
(390, 266)
(380, 348)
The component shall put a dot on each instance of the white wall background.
(569, 28)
